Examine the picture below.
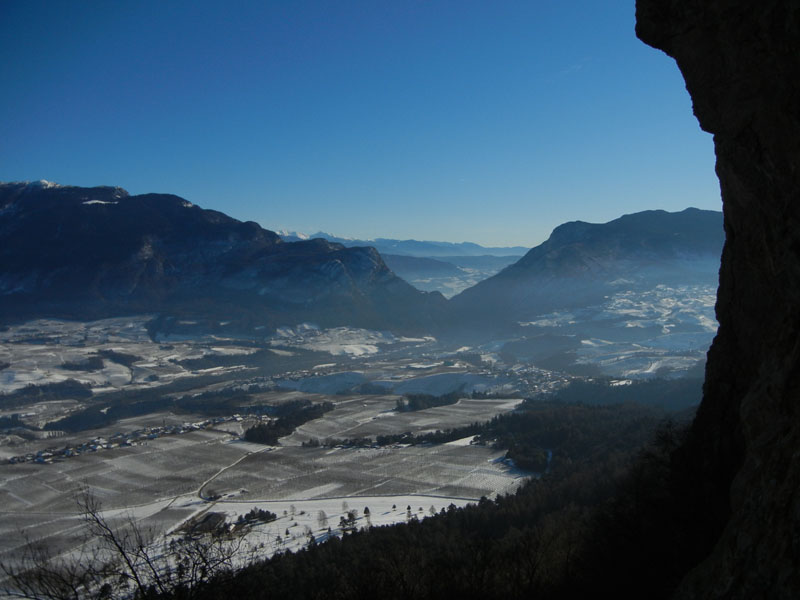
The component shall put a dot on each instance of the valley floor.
(153, 428)
(163, 482)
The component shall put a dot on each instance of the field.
(179, 461)
(52, 351)
(664, 331)
(370, 416)
(165, 481)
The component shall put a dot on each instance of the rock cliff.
(741, 63)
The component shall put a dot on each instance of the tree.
(41, 575)
(120, 561)
(348, 521)
(322, 519)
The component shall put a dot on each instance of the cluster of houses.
(137, 437)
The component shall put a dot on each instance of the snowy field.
(370, 416)
(667, 329)
(51, 351)
(112, 354)
(339, 341)
(168, 480)
(301, 518)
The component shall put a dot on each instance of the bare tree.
(40, 574)
(115, 561)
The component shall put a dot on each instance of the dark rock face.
(92, 252)
(741, 63)
(581, 263)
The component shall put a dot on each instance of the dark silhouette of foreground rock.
(741, 63)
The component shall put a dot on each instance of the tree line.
(290, 417)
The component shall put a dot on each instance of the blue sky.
(489, 121)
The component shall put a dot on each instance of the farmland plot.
(300, 519)
(294, 473)
(162, 483)
(370, 416)
(51, 351)
(41, 498)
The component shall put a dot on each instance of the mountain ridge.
(85, 252)
(72, 252)
(581, 263)
(412, 247)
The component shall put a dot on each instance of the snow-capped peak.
(285, 233)
(43, 183)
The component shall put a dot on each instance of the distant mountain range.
(445, 267)
(86, 253)
(423, 249)
(582, 263)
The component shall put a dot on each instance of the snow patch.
(43, 183)
(337, 341)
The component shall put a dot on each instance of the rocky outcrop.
(86, 253)
(741, 63)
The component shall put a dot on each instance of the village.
(120, 440)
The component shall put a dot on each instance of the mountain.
(582, 263)
(431, 266)
(423, 249)
(83, 253)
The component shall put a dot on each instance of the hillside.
(419, 248)
(75, 252)
(431, 266)
(583, 263)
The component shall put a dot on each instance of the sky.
(486, 121)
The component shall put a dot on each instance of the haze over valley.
(179, 363)
(445, 267)
(399, 300)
